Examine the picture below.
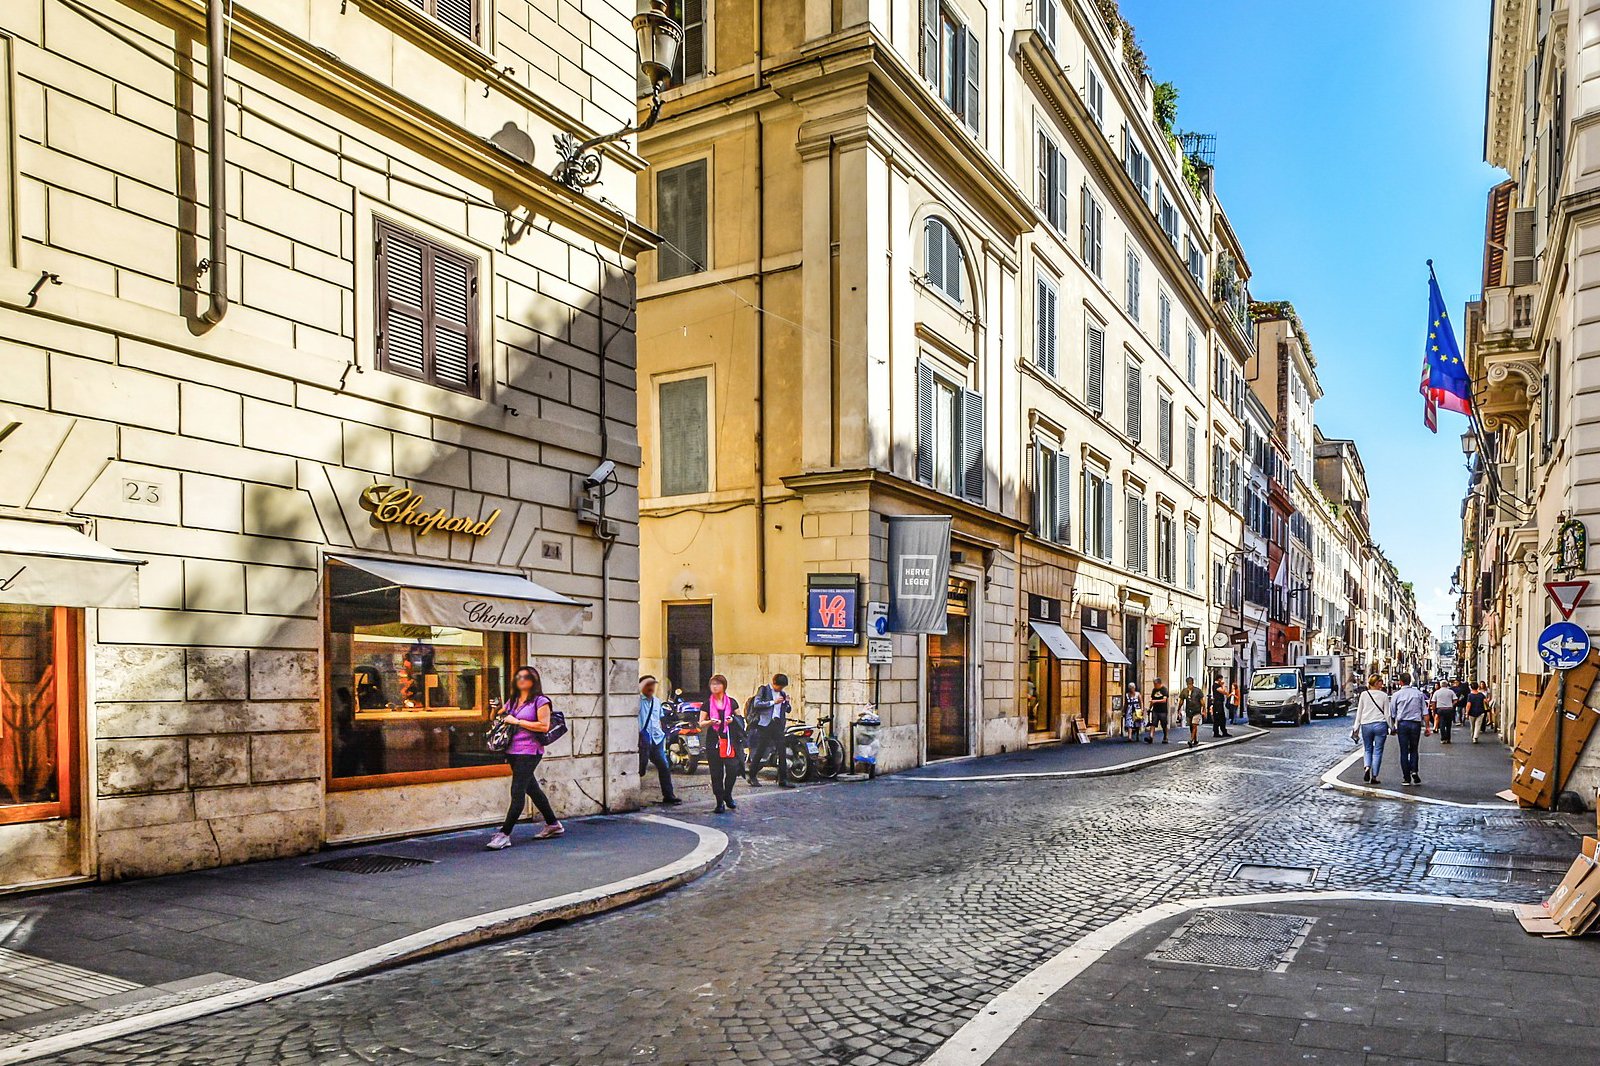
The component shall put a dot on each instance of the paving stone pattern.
(1374, 984)
(863, 923)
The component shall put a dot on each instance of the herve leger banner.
(919, 573)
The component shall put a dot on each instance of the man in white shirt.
(1443, 702)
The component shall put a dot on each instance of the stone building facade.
(408, 305)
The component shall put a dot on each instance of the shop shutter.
(930, 41)
(924, 424)
(402, 308)
(1095, 368)
(1063, 531)
(973, 474)
(973, 112)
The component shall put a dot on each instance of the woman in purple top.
(528, 711)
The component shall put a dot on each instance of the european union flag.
(1444, 376)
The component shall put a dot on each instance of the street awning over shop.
(1102, 645)
(470, 599)
(1055, 638)
(49, 564)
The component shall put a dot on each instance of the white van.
(1277, 694)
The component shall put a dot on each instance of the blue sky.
(1349, 152)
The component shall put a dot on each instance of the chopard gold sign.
(396, 506)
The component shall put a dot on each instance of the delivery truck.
(1277, 695)
(1327, 679)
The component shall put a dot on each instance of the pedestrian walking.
(770, 706)
(1408, 709)
(653, 740)
(1192, 702)
(1462, 691)
(1371, 727)
(1477, 708)
(1443, 702)
(1219, 709)
(528, 712)
(1159, 705)
(1132, 714)
(724, 733)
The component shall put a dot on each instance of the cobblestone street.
(864, 924)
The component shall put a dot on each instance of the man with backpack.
(769, 711)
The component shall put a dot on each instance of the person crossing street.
(1408, 708)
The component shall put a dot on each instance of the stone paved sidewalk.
(1097, 758)
(1371, 984)
(88, 956)
(1458, 772)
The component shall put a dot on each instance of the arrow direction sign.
(1563, 645)
(1566, 595)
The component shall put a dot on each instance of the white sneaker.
(499, 842)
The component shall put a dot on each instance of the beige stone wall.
(232, 458)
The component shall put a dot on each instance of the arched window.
(943, 258)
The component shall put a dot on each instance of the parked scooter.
(810, 750)
(680, 719)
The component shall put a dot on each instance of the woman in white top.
(1372, 726)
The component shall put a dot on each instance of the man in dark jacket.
(769, 712)
(1219, 710)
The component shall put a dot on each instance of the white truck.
(1277, 694)
(1327, 678)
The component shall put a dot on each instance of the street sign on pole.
(1563, 645)
(1566, 595)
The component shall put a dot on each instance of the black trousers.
(766, 746)
(1446, 720)
(1219, 723)
(724, 772)
(652, 752)
(524, 785)
(1410, 733)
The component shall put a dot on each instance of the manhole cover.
(1238, 940)
(371, 864)
(1274, 874)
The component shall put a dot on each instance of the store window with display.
(38, 671)
(408, 701)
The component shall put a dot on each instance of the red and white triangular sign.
(1566, 595)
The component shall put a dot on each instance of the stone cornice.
(304, 68)
(1505, 46)
(863, 478)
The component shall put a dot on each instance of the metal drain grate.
(1274, 874)
(1236, 940)
(1494, 867)
(1537, 825)
(371, 864)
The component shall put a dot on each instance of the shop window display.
(405, 698)
(37, 668)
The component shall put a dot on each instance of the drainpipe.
(216, 137)
(761, 366)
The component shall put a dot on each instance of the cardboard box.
(1575, 904)
(1534, 755)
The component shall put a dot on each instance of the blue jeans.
(1373, 736)
(1410, 734)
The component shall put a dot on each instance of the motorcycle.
(811, 751)
(680, 720)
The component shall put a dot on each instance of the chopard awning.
(49, 564)
(1105, 647)
(1055, 638)
(470, 599)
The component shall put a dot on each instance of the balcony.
(1508, 316)
(1500, 356)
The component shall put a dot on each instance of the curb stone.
(1093, 771)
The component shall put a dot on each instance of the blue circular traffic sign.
(1563, 645)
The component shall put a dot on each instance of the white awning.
(471, 599)
(1102, 645)
(1055, 638)
(49, 564)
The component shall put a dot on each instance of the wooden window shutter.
(454, 320)
(1044, 350)
(1524, 232)
(692, 54)
(924, 424)
(931, 14)
(458, 15)
(1086, 242)
(681, 413)
(1095, 368)
(1105, 519)
(682, 217)
(1063, 530)
(1164, 429)
(974, 109)
(1060, 162)
(402, 302)
(1191, 433)
(1135, 382)
(972, 471)
(952, 265)
(1039, 519)
(1043, 166)
(933, 253)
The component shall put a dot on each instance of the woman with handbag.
(1371, 726)
(723, 729)
(528, 714)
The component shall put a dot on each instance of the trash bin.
(864, 732)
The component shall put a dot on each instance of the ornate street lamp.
(658, 39)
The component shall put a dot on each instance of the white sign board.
(1219, 658)
(880, 651)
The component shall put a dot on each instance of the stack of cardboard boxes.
(1534, 756)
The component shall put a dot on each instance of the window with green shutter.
(683, 428)
(682, 214)
(427, 297)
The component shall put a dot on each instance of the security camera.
(606, 471)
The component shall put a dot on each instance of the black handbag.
(498, 738)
